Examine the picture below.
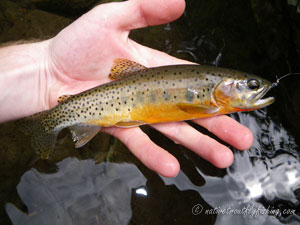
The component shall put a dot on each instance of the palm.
(82, 53)
(81, 57)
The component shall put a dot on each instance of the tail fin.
(43, 138)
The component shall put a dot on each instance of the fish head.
(243, 93)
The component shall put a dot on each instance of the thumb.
(135, 14)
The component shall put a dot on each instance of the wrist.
(24, 80)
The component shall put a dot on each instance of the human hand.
(81, 55)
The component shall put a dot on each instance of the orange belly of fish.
(163, 113)
(148, 114)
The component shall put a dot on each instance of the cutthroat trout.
(140, 95)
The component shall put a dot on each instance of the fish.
(138, 95)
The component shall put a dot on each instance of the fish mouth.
(258, 101)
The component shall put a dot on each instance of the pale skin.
(34, 75)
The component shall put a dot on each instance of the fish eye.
(253, 84)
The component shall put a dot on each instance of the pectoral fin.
(83, 133)
(193, 108)
(123, 68)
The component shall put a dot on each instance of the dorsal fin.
(63, 98)
(123, 68)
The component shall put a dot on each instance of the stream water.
(261, 187)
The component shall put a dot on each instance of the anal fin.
(83, 133)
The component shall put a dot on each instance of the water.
(262, 186)
(104, 184)
(79, 193)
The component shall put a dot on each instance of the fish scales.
(132, 98)
(142, 95)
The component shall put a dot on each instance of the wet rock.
(70, 8)
(17, 23)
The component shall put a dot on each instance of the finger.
(151, 155)
(140, 13)
(228, 130)
(204, 146)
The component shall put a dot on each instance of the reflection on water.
(79, 193)
(271, 169)
(263, 184)
(261, 187)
